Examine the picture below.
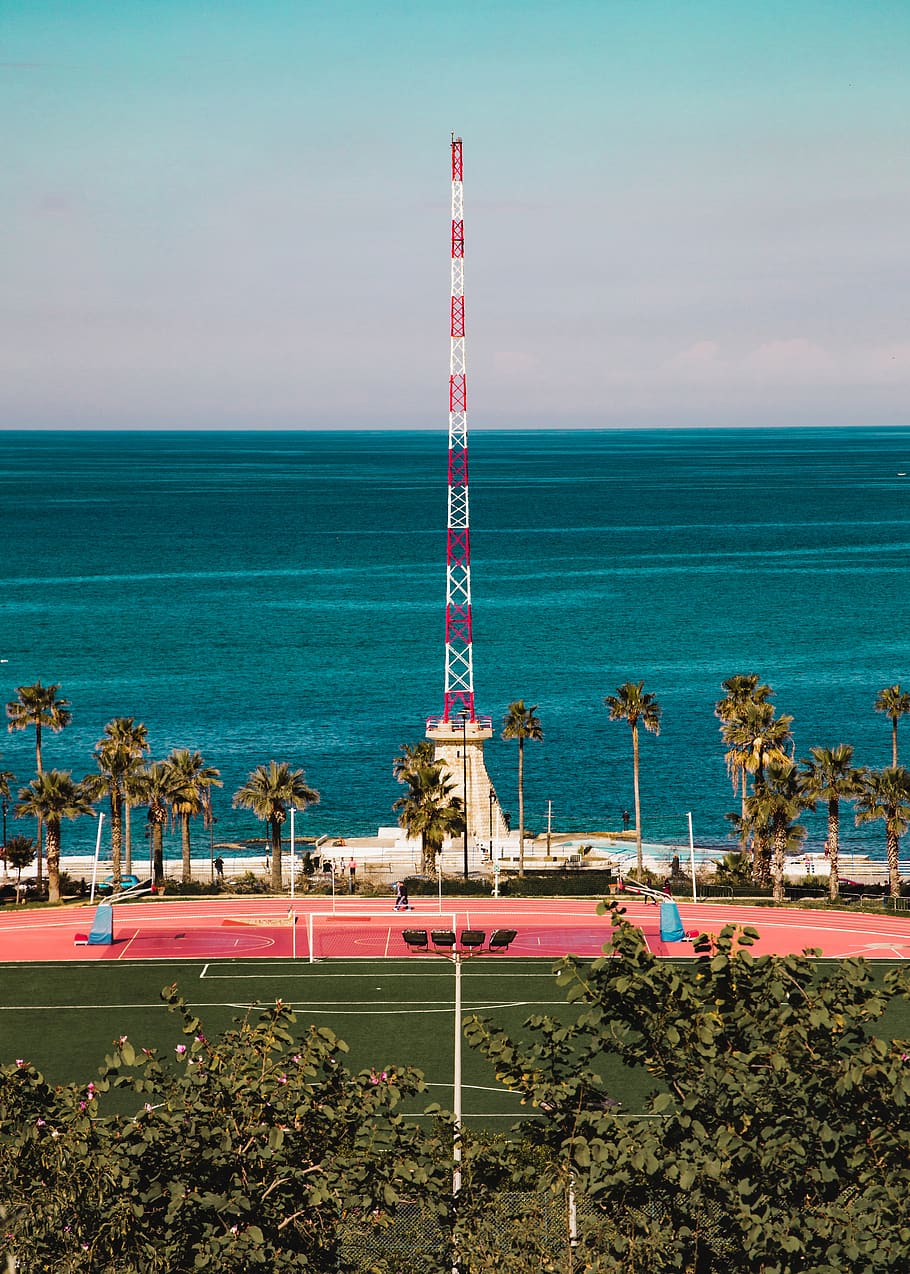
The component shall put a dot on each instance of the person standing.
(352, 872)
(219, 869)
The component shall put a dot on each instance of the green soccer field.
(63, 1017)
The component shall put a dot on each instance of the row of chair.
(445, 940)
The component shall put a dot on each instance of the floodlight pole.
(456, 958)
(292, 853)
(464, 766)
(97, 852)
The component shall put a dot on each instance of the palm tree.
(39, 706)
(756, 737)
(754, 825)
(190, 780)
(885, 794)
(741, 690)
(134, 737)
(829, 776)
(413, 756)
(895, 703)
(53, 796)
(268, 792)
(155, 789)
(118, 758)
(633, 704)
(429, 810)
(520, 723)
(780, 800)
(6, 777)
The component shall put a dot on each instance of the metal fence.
(542, 1230)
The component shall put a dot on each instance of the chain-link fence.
(543, 1231)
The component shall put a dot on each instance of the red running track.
(233, 928)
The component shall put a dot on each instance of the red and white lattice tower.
(459, 734)
(459, 691)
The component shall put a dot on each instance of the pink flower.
(180, 1050)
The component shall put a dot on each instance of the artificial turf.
(63, 1017)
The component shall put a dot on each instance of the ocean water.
(279, 595)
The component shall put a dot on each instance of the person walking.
(402, 903)
(219, 869)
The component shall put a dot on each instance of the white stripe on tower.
(459, 684)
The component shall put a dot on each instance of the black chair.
(443, 939)
(472, 939)
(416, 939)
(502, 939)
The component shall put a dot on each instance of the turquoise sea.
(281, 595)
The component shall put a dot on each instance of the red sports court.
(310, 929)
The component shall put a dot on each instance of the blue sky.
(235, 214)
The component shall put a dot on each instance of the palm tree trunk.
(894, 741)
(127, 839)
(116, 836)
(185, 843)
(638, 854)
(158, 855)
(53, 862)
(894, 880)
(40, 828)
(780, 846)
(521, 807)
(275, 829)
(761, 865)
(833, 848)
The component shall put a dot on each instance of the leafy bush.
(190, 888)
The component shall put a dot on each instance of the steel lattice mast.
(459, 685)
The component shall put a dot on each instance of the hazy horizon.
(237, 217)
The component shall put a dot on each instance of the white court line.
(129, 944)
(444, 972)
(113, 1008)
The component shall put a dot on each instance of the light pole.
(212, 821)
(464, 766)
(491, 822)
(293, 812)
(470, 944)
(5, 808)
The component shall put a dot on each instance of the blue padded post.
(102, 930)
(671, 926)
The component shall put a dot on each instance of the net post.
(309, 933)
